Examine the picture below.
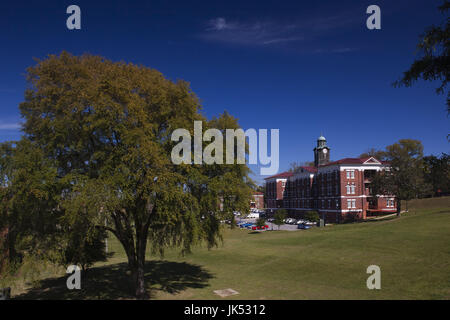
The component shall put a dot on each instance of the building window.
(329, 203)
(337, 204)
(351, 203)
(350, 174)
(390, 203)
(351, 188)
(323, 204)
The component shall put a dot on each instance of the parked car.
(245, 225)
(309, 223)
(303, 226)
(300, 221)
(253, 227)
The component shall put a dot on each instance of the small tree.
(279, 217)
(261, 222)
(83, 247)
(312, 216)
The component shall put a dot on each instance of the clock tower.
(321, 152)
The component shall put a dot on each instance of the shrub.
(350, 217)
(312, 216)
(261, 222)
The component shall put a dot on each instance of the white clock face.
(325, 151)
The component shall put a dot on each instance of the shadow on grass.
(113, 282)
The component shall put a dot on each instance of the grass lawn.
(413, 252)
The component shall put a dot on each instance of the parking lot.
(286, 227)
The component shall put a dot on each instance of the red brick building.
(275, 187)
(257, 201)
(337, 190)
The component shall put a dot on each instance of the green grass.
(413, 252)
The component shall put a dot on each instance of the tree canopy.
(405, 176)
(433, 63)
(101, 130)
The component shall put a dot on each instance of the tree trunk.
(140, 270)
(135, 247)
(399, 207)
(141, 294)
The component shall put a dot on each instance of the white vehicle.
(289, 220)
(253, 215)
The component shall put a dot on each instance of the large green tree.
(405, 176)
(433, 62)
(106, 127)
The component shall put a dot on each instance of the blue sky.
(303, 67)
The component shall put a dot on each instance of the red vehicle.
(260, 228)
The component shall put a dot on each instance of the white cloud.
(219, 24)
(304, 31)
(10, 126)
(255, 33)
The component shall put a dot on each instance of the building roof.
(282, 175)
(355, 161)
(257, 193)
(322, 138)
(309, 169)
